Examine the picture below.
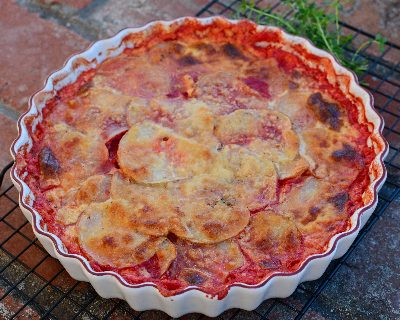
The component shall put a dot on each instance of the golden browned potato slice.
(331, 155)
(195, 209)
(73, 156)
(198, 264)
(294, 105)
(271, 239)
(148, 209)
(264, 132)
(112, 242)
(94, 189)
(196, 121)
(317, 206)
(150, 153)
(254, 180)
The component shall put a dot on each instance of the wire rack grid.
(34, 285)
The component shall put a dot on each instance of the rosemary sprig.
(317, 24)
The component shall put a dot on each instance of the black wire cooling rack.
(34, 285)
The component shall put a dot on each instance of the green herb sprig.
(319, 24)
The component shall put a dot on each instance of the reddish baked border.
(305, 262)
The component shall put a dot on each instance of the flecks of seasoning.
(326, 112)
(339, 200)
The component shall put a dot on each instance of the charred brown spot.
(324, 144)
(347, 153)
(293, 239)
(293, 85)
(326, 112)
(49, 165)
(141, 250)
(85, 87)
(152, 223)
(194, 278)
(108, 241)
(172, 237)
(265, 244)
(213, 228)
(270, 264)
(296, 74)
(177, 48)
(229, 202)
(208, 48)
(313, 213)
(233, 52)
(188, 61)
(339, 200)
(146, 209)
(314, 210)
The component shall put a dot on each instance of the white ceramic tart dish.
(230, 211)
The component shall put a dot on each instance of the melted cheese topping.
(196, 163)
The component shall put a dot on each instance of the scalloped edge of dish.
(146, 296)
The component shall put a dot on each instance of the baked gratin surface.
(203, 157)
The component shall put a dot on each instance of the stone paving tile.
(367, 287)
(281, 312)
(11, 303)
(77, 4)
(115, 15)
(30, 49)
(8, 134)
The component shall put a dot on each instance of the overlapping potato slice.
(208, 213)
(317, 206)
(107, 112)
(264, 132)
(110, 241)
(94, 189)
(192, 119)
(268, 72)
(150, 209)
(74, 157)
(198, 264)
(305, 200)
(150, 153)
(160, 111)
(196, 120)
(294, 105)
(201, 209)
(271, 240)
(254, 180)
(133, 77)
(331, 155)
